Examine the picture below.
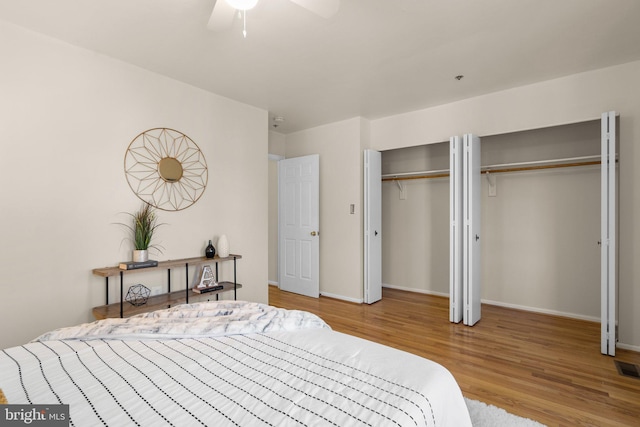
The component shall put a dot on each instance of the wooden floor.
(542, 367)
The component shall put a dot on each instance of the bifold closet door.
(471, 194)
(372, 226)
(464, 231)
(455, 229)
(608, 283)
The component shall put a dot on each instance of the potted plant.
(144, 224)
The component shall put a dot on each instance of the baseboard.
(628, 347)
(343, 298)
(484, 301)
(328, 295)
(418, 291)
(543, 311)
(503, 304)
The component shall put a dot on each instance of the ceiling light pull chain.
(242, 6)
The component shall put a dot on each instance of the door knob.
(313, 233)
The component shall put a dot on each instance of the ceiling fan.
(225, 10)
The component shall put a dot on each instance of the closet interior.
(540, 209)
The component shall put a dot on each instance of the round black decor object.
(138, 295)
(210, 251)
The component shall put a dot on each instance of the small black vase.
(210, 251)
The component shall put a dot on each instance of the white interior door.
(471, 281)
(455, 229)
(372, 226)
(608, 235)
(298, 225)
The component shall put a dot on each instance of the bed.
(228, 363)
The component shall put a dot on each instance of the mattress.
(228, 363)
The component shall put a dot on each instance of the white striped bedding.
(277, 373)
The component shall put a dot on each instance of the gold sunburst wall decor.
(166, 169)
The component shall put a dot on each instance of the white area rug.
(483, 415)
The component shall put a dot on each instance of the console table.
(166, 300)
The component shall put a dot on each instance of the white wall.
(540, 235)
(276, 151)
(67, 116)
(339, 146)
(277, 144)
(571, 99)
(415, 230)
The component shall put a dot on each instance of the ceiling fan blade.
(324, 8)
(222, 16)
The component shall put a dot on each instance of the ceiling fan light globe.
(242, 4)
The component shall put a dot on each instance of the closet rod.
(568, 160)
(505, 167)
(405, 178)
(540, 167)
(403, 174)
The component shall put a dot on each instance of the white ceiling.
(374, 58)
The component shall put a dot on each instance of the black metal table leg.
(186, 283)
(121, 294)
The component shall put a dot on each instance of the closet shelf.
(503, 167)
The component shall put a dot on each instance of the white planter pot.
(140, 255)
(223, 246)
